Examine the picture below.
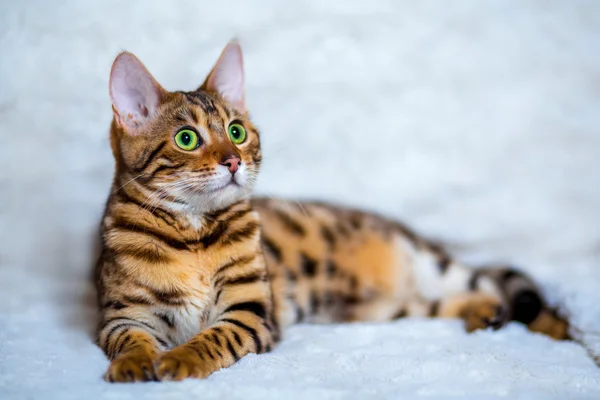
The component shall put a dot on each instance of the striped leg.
(454, 291)
(132, 344)
(488, 297)
(243, 324)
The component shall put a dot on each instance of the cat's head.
(195, 150)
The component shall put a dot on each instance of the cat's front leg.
(132, 341)
(244, 325)
(235, 335)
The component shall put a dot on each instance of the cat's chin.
(218, 198)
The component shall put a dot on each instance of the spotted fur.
(194, 274)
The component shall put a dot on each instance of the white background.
(477, 122)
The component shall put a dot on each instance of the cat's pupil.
(185, 138)
(235, 133)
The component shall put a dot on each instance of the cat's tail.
(524, 301)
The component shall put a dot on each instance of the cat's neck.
(175, 211)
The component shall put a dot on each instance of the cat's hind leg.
(478, 310)
(485, 297)
(525, 301)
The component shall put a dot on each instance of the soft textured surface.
(477, 123)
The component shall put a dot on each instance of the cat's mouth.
(231, 183)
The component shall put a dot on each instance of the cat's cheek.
(242, 175)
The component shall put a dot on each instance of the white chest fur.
(189, 320)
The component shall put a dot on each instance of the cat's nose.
(231, 162)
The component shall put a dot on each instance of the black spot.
(444, 263)
(272, 248)
(400, 314)
(309, 265)
(331, 268)
(434, 308)
(328, 236)
(290, 224)
(351, 300)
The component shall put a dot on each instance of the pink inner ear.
(134, 92)
(227, 77)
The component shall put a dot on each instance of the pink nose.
(232, 163)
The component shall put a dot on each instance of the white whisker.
(129, 181)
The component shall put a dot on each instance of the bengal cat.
(194, 274)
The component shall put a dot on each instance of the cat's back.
(328, 224)
(327, 255)
(329, 233)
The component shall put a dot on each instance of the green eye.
(187, 139)
(237, 133)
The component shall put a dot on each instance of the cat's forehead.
(202, 107)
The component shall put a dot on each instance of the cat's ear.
(227, 76)
(134, 93)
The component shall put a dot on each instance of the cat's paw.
(484, 312)
(178, 364)
(131, 367)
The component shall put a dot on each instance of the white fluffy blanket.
(477, 122)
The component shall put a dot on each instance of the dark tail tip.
(526, 306)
